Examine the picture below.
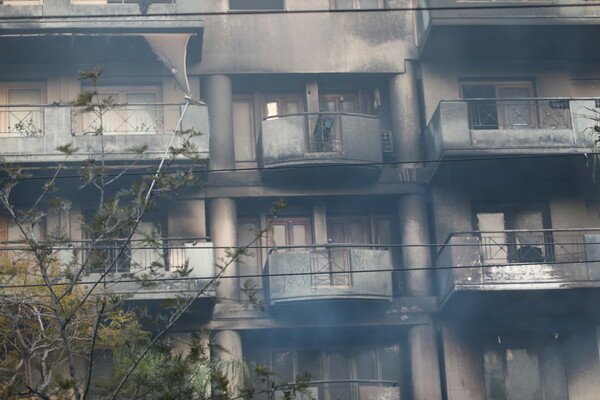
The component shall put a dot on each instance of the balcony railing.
(21, 120)
(33, 133)
(353, 389)
(136, 267)
(519, 256)
(334, 272)
(127, 119)
(530, 125)
(519, 114)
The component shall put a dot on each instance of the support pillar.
(223, 215)
(414, 228)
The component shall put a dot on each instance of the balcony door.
(507, 107)
(291, 232)
(513, 234)
(282, 104)
(334, 262)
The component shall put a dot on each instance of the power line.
(312, 11)
(325, 166)
(312, 273)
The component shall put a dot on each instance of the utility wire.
(325, 166)
(313, 11)
(311, 273)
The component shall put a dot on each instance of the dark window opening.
(249, 5)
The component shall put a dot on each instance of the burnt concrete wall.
(376, 42)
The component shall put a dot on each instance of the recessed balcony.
(33, 133)
(321, 148)
(519, 260)
(338, 274)
(511, 126)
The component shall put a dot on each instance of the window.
(136, 111)
(523, 366)
(291, 232)
(353, 373)
(249, 5)
(514, 233)
(21, 114)
(326, 136)
(509, 108)
(282, 104)
(356, 4)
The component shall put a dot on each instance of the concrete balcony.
(320, 148)
(511, 126)
(33, 133)
(100, 15)
(131, 264)
(338, 274)
(518, 260)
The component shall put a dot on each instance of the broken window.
(514, 233)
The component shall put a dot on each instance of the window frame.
(509, 210)
(497, 102)
(5, 88)
(121, 111)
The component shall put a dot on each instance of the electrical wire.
(312, 11)
(325, 166)
(312, 273)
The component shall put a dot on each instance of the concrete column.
(404, 102)
(223, 214)
(414, 230)
(223, 222)
(424, 363)
(424, 360)
(231, 342)
(220, 113)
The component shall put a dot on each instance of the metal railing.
(120, 255)
(522, 113)
(21, 120)
(332, 267)
(126, 119)
(526, 246)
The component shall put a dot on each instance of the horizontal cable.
(311, 11)
(287, 274)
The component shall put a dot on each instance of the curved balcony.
(320, 147)
(337, 273)
(519, 260)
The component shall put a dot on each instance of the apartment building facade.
(440, 236)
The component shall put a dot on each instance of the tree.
(56, 320)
